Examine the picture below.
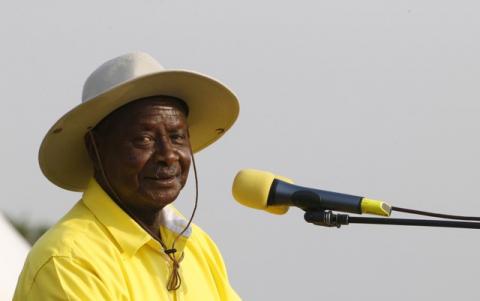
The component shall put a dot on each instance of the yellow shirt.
(97, 252)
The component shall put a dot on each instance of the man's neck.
(149, 220)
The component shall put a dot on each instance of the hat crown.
(117, 71)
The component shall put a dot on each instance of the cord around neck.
(175, 280)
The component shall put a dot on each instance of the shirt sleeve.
(66, 278)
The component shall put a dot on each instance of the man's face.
(145, 152)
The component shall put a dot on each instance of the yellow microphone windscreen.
(251, 187)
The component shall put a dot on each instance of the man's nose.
(165, 152)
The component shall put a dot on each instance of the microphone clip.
(326, 218)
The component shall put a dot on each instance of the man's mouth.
(163, 180)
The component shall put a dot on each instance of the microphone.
(273, 193)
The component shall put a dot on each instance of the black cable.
(412, 222)
(440, 215)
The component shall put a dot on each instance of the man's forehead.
(148, 109)
(154, 113)
(156, 103)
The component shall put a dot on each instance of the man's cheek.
(185, 163)
(135, 159)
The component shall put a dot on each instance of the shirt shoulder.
(202, 240)
(78, 235)
(202, 246)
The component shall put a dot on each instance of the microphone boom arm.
(330, 219)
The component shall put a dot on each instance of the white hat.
(212, 107)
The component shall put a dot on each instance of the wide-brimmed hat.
(213, 108)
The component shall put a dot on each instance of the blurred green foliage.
(31, 232)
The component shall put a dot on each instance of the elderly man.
(128, 147)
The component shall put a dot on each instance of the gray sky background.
(377, 98)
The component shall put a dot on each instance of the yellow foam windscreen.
(251, 187)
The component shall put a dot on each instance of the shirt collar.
(128, 234)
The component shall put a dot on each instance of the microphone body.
(275, 194)
(286, 194)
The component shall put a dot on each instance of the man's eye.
(178, 138)
(143, 140)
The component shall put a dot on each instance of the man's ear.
(91, 145)
(88, 145)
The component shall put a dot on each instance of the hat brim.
(213, 109)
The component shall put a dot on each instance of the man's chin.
(158, 200)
